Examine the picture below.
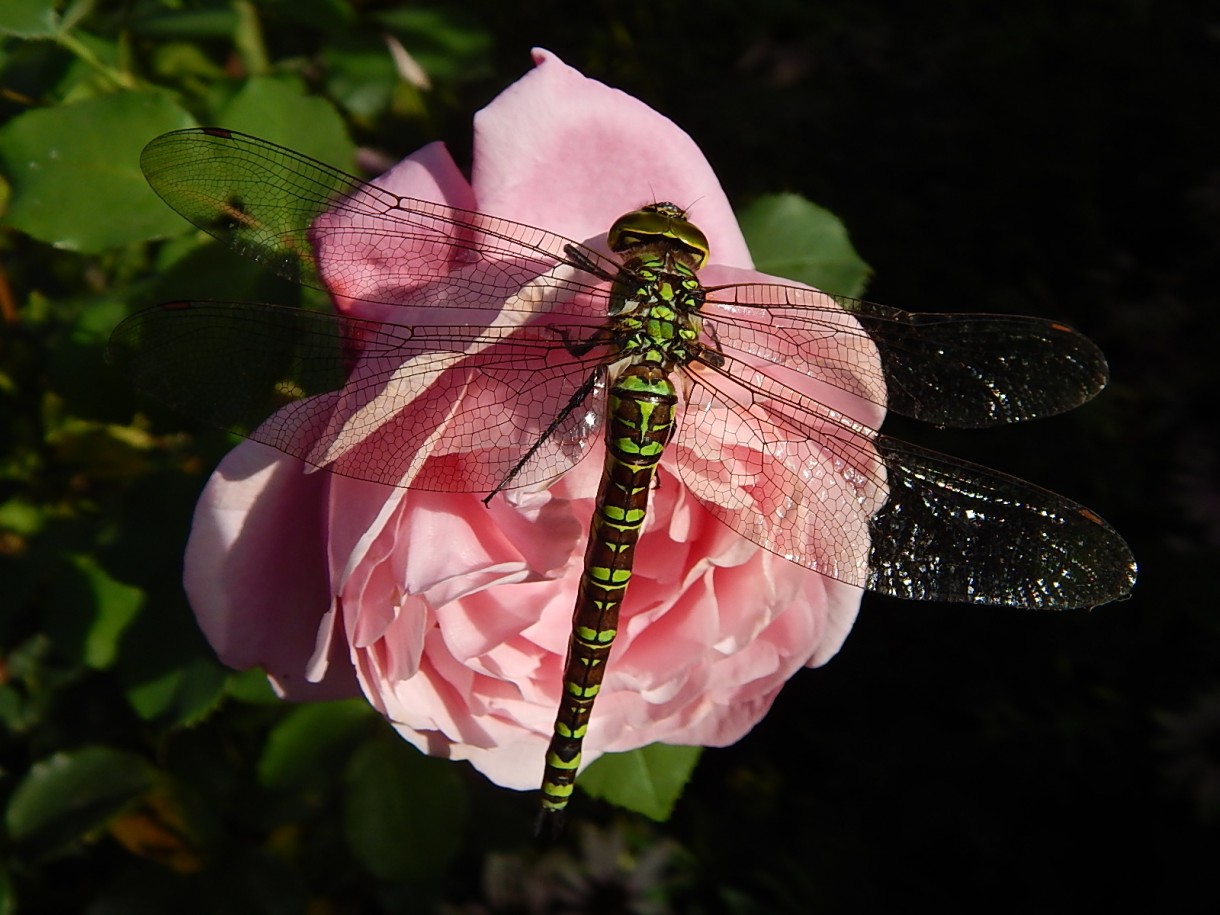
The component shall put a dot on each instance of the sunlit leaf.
(648, 781)
(793, 238)
(115, 606)
(75, 171)
(281, 110)
(87, 610)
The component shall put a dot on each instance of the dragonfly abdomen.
(640, 421)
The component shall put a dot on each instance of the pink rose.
(453, 618)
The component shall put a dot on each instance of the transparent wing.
(321, 227)
(781, 469)
(820, 489)
(956, 531)
(442, 408)
(963, 370)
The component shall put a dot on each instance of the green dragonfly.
(515, 349)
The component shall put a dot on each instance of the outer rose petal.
(428, 173)
(456, 617)
(252, 573)
(573, 155)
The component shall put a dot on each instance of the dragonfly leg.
(712, 355)
(581, 261)
(600, 337)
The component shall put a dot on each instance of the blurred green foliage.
(1045, 159)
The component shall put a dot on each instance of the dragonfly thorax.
(657, 296)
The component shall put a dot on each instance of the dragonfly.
(516, 350)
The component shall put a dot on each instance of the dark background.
(1042, 158)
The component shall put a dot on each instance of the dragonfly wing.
(956, 531)
(820, 489)
(977, 370)
(781, 469)
(443, 408)
(763, 323)
(962, 370)
(321, 227)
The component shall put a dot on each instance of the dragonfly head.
(659, 224)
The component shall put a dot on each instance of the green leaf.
(69, 795)
(403, 812)
(312, 743)
(447, 43)
(278, 109)
(648, 780)
(793, 238)
(251, 687)
(29, 18)
(360, 74)
(75, 171)
(88, 611)
(115, 606)
(182, 695)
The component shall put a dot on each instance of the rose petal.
(570, 154)
(251, 571)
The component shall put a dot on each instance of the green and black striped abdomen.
(640, 422)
